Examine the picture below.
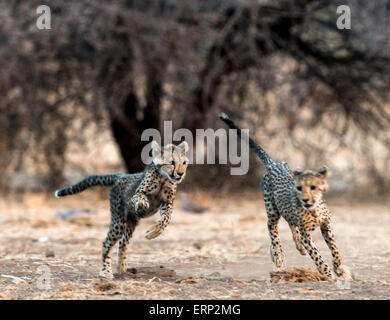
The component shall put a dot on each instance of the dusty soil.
(222, 253)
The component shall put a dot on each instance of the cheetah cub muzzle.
(136, 196)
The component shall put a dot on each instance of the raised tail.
(101, 180)
(260, 152)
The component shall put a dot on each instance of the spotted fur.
(137, 196)
(297, 197)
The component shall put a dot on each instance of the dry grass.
(297, 274)
(103, 285)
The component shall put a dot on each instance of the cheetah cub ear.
(184, 147)
(323, 172)
(156, 152)
(297, 173)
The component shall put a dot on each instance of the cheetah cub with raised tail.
(137, 196)
(297, 197)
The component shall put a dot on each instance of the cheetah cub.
(137, 196)
(297, 197)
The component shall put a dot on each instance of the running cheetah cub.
(137, 196)
(297, 197)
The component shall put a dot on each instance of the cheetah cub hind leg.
(106, 271)
(277, 255)
(297, 239)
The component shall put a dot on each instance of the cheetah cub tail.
(260, 152)
(95, 180)
(224, 116)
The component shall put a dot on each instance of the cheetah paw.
(325, 271)
(302, 251)
(344, 273)
(154, 231)
(106, 274)
(140, 203)
(277, 256)
(122, 268)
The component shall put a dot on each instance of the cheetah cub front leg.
(328, 235)
(168, 195)
(159, 226)
(276, 251)
(315, 255)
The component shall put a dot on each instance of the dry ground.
(220, 254)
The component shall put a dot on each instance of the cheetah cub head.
(310, 186)
(171, 160)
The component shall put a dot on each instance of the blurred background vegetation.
(75, 99)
